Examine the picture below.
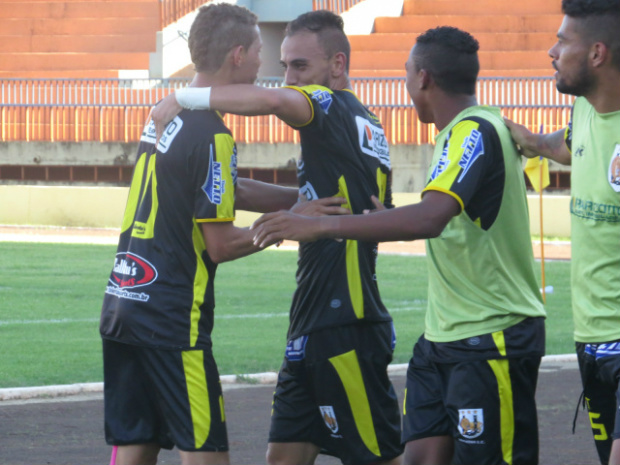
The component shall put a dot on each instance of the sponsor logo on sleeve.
(296, 349)
(233, 164)
(372, 141)
(614, 169)
(474, 149)
(442, 163)
(323, 98)
(214, 185)
(171, 131)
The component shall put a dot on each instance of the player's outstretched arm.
(225, 241)
(261, 197)
(419, 221)
(242, 99)
(532, 145)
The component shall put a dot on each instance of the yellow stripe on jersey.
(134, 193)
(452, 164)
(381, 184)
(146, 230)
(506, 406)
(348, 369)
(198, 394)
(224, 151)
(201, 279)
(567, 139)
(354, 278)
(222, 410)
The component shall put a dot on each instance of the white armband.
(194, 98)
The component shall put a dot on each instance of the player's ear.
(599, 53)
(238, 54)
(425, 78)
(338, 64)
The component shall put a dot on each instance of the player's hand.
(320, 207)
(377, 203)
(274, 227)
(524, 139)
(164, 112)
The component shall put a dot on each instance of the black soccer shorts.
(167, 397)
(599, 365)
(333, 391)
(480, 391)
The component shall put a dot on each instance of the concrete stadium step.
(372, 73)
(79, 26)
(369, 60)
(481, 7)
(471, 23)
(488, 41)
(19, 62)
(66, 10)
(79, 1)
(86, 43)
(61, 74)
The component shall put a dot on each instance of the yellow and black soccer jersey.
(481, 267)
(343, 152)
(160, 290)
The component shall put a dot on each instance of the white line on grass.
(217, 317)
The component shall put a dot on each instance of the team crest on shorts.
(471, 422)
(329, 417)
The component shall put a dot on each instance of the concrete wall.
(409, 162)
(102, 207)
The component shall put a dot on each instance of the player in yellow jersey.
(161, 383)
(333, 393)
(587, 60)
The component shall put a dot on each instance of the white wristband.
(194, 98)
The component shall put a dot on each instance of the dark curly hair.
(450, 56)
(217, 29)
(328, 26)
(599, 21)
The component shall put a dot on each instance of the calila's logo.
(131, 270)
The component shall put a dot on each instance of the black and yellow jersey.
(343, 152)
(481, 268)
(160, 290)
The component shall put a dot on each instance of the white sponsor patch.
(171, 131)
(372, 141)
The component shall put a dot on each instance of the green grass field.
(50, 299)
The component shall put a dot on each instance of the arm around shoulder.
(551, 146)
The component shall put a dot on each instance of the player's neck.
(446, 107)
(340, 83)
(605, 98)
(211, 79)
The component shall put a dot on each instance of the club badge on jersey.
(614, 169)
